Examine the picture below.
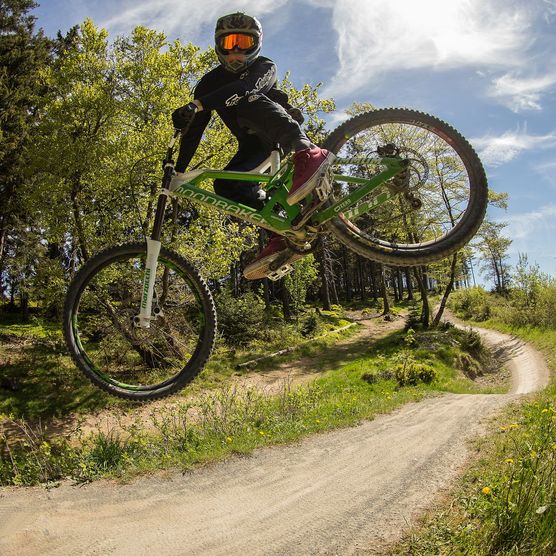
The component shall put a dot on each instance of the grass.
(361, 382)
(506, 501)
(39, 380)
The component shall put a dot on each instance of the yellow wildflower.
(509, 460)
(486, 490)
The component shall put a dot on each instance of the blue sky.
(488, 67)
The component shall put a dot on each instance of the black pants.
(266, 124)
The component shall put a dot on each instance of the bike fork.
(143, 319)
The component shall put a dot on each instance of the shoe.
(309, 165)
(260, 267)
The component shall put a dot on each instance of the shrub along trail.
(350, 491)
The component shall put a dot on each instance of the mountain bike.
(404, 189)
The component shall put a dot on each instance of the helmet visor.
(237, 40)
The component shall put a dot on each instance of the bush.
(471, 342)
(409, 372)
(309, 326)
(240, 319)
(373, 378)
(472, 303)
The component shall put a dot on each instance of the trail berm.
(349, 491)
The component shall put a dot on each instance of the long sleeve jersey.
(221, 90)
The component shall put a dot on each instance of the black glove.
(182, 116)
(296, 114)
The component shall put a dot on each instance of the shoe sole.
(311, 183)
(260, 269)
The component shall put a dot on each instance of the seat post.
(275, 159)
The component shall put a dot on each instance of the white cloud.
(547, 171)
(380, 36)
(550, 10)
(495, 150)
(539, 223)
(182, 17)
(521, 93)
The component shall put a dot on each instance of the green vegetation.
(40, 381)
(506, 503)
(88, 176)
(360, 382)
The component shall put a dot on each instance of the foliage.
(472, 304)
(507, 504)
(240, 319)
(298, 281)
(24, 55)
(94, 161)
(226, 420)
(520, 508)
(493, 248)
(531, 299)
(409, 372)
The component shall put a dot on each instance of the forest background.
(85, 120)
(84, 124)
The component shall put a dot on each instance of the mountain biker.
(243, 92)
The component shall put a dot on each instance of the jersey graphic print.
(260, 84)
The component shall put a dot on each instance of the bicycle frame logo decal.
(249, 214)
(341, 205)
(146, 288)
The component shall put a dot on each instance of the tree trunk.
(384, 290)
(395, 284)
(447, 291)
(409, 285)
(24, 299)
(361, 272)
(324, 272)
(425, 308)
(286, 302)
(399, 276)
(76, 188)
(347, 281)
(374, 287)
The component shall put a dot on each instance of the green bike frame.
(276, 215)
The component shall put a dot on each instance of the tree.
(93, 164)
(493, 250)
(24, 54)
(527, 281)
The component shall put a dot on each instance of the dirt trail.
(345, 492)
(294, 372)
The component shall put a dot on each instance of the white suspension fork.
(143, 320)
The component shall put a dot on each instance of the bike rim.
(118, 353)
(433, 202)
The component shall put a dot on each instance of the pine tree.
(23, 54)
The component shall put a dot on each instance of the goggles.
(239, 40)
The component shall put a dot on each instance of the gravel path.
(349, 491)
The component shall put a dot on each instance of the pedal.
(284, 270)
(324, 184)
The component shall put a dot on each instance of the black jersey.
(221, 91)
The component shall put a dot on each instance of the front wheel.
(121, 358)
(431, 211)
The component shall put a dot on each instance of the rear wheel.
(121, 358)
(433, 211)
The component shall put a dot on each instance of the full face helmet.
(238, 39)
